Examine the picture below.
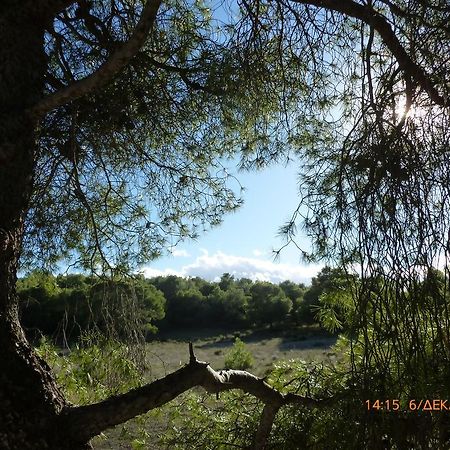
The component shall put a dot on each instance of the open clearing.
(168, 352)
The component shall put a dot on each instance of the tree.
(329, 299)
(66, 306)
(295, 293)
(187, 308)
(40, 306)
(117, 116)
(327, 280)
(125, 307)
(268, 303)
(186, 304)
(377, 197)
(239, 357)
(226, 281)
(228, 307)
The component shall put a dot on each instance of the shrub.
(93, 371)
(239, 357)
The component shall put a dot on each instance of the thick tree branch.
(90, 420)
(113, 65)
(371, 17)
(265, 426)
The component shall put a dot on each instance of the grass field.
(168, 352)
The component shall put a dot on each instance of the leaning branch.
(379, 23)
(106, 72)
(90, 420)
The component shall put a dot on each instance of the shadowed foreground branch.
(90, 420)
(106, 72)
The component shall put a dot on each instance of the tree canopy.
(135, 166)
(131, 161)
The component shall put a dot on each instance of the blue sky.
(242, 245)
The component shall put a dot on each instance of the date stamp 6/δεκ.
(410, 405)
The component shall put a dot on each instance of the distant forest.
(64, 306)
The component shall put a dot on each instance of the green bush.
(239, 357)
(93, 370)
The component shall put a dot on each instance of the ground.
(169, 351)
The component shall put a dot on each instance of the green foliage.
(239, 357)
(126, 306)
(200, 422)
(48, 308)
(226, 281)
(233, 421)
(342, 422)
(295, 292)
(228, 307)
(268, 304)
(329, 283)
(97, 369)
(229, 303)
(369, 367)
(327, 316)
(138, 165)
(151, 146)
(65, 306)
(334, 307)
(93, 371)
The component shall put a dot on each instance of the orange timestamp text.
(411, 405)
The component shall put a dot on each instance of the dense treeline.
(66, 305)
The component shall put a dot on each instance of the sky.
(243, 244)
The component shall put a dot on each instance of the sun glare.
(403, 110)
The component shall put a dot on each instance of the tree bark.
(30, 400)
(29, 397)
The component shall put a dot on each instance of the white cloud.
(211, 267)
(180, 253)
(150, 272)
(257, 253)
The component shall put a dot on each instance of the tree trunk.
(29, 397)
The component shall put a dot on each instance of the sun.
(406, 110)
